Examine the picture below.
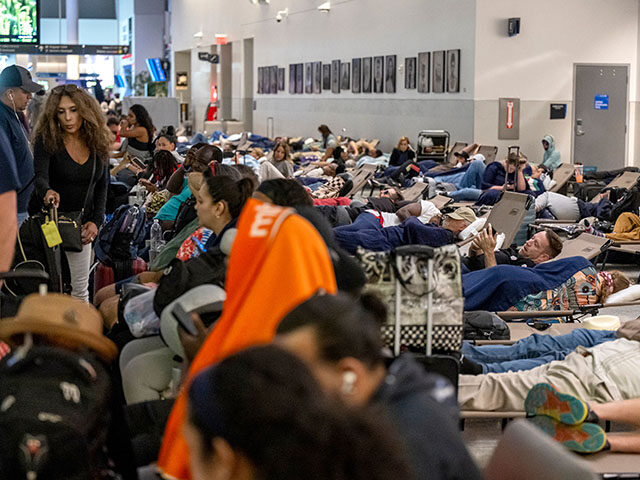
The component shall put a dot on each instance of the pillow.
(472, 229)
(629, 294)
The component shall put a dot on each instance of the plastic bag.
(140, 317)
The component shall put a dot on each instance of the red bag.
(104, 275)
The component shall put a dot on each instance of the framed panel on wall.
(453, 71)
(366, 75)
(299, 78)
(308, 77)
(326, 76)
(260, 74)
(438, 71)
(345, 76)
(378, 74)
(281, 79)
(410, 73)
(356, 76)
(266, 80)
(424, 72)
(317, 77)
(273, 78)
(335, 76)
(292, 78)
(390, 76)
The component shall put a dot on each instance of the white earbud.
(348, 382)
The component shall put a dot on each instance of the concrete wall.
(353, 28)
(537, 65)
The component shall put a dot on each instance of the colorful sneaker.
(543, 399)
(583, 438)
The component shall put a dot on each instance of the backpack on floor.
(122, 237)
(54, 415)
(629, 202)
(483, 325)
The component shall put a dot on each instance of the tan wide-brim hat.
(63, 320)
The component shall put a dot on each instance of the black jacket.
(423, 408)
(504, 256)
(397, 158)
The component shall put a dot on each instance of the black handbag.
(70, 223)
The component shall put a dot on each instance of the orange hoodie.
(278, 260)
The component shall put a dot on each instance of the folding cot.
(585, 245)
(506, 215)
(561, 176)
(360, 177)
(415, 192)
(457, 147)
(490, 153)
(624, 180)
(440, 201)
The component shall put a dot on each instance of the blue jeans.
(471, 178)
(22, 216)
(533, 351)
(463, 194)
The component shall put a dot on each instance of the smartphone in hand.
(184, 319)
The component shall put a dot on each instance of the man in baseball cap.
(16, 89)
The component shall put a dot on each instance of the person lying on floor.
(543, 246)
(603, 373)
(564, 284)
(555, 206)
(371, 235)
(574, 422)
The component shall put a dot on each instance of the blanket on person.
(500, 287)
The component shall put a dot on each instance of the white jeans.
(79, 266)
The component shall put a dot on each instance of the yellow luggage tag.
(51, 233)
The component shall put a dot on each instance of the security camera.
(325, 7)
(282, 14)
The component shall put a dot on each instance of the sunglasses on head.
(69, 87)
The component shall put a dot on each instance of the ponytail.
(234, 193)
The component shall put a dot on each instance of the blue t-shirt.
(8, 176)
(19, 146)
(169, 211)
(494, 175)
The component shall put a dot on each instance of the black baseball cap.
(462, 154)
(17, 76)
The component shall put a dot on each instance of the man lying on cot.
(564, 284)
(371, 234)
(541, 247)
(607, 372)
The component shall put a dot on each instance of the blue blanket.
(500, 287)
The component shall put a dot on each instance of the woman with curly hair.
(71, 157)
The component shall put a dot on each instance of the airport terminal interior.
(309, 239)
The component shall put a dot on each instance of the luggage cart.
(433, 145)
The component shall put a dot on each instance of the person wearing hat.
(412, 231)
(16, 90)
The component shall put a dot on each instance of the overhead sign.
(601, 102)
(65, 49)
(209, 57)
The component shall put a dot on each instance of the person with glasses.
(16, 90)
(71, 152)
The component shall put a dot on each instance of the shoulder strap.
(93, 174)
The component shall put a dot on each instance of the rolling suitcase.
(105, 275)
(422, 288)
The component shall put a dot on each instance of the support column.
(73, 61)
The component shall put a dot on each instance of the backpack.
(121, 237)
(54, 415)
(483, 325)
(180, 277)
(629, 202)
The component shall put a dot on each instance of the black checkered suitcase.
(422, 288)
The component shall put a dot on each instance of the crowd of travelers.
(208, 314)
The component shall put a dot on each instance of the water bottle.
(156, 240)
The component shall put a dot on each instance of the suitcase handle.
(33, 273)
(421, 250)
